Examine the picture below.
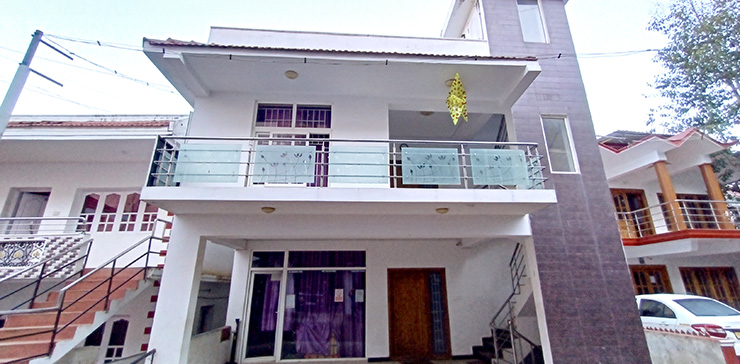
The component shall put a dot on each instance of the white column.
(178, 294)
(238, 290)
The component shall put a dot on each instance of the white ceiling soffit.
(196, 72)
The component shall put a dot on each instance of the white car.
(690, 313)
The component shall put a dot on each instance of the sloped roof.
(169, 42)
(622, 140)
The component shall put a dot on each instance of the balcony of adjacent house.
(689, 220)
(240, 174)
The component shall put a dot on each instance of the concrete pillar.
(238, 292)
(669, 194)
(719, 209)
(178, 294)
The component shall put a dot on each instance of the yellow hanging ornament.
(457, 101)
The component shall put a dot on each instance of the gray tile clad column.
(586, 287)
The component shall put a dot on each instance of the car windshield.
(701, 307)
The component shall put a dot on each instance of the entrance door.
(263, 315)
(419, 325)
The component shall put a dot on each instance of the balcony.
(25, 241)
(682, 220)
(325, 170)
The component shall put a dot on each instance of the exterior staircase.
(51, 306)
(36, 334)
(506, 344)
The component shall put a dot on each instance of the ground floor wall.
(477, 282)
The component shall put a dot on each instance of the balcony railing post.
(465, 165)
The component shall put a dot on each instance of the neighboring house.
(73, 183)
(356, 221)
(680, 235)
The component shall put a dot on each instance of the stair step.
(9, 350)
(105, 273)
(483, 354)
(74, 294)
(78, 306)
(91, 283)
(35, 333)
(47, 319)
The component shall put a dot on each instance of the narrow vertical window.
(108, 215)
(88, 211)
(559, 145)
(530, 17)
(149, 217)
(130, 210)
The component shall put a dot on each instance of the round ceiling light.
(290, 74)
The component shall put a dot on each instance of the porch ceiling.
(347, 201)
(199, 72)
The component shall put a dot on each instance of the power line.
(105, 70)
(48, 93)
(97, 42)
(111, 70)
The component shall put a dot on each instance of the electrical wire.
(104, 70)
(48, 93)
(111, 70)
(97, 42)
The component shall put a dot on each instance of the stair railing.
(116, 267)
(503, 323)
(83, 249)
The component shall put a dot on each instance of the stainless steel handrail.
(167, 160)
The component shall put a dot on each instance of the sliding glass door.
(320, 311)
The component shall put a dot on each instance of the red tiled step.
(47, 319)
(26, 349)
(89, 283)
(78, 306)
(106, 273)
(74, 294)
(37, 333)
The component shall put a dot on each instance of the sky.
(116, 78)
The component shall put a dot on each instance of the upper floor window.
(559, 145)
(293, 116)
(531, 20)
(116, 211)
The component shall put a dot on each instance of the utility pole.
(16, 86)
(19, 80)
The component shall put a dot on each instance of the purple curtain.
(322, 312)
(270, 305)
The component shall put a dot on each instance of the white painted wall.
(473, 291)
(68, 183)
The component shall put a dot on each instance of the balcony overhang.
(684, 243)
(199, 70)
(347, 201)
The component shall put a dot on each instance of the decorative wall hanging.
(457, 101)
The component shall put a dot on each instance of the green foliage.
(702, 62)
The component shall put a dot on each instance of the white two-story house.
(364, 223)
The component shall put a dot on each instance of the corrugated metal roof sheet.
(179, 43)
(88, 124)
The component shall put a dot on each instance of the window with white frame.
(531, 20)
(117, 211)
(559, 144)
(296, 125)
